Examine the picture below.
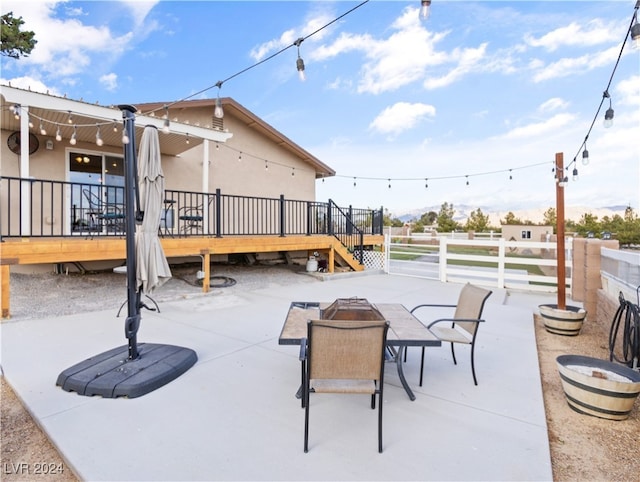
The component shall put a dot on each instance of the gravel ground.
(47, 295)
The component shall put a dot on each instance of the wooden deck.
(66, 250)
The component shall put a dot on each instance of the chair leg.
(305, 402)
(421, 365)
(380, 421)
(453, 353)
(473, 368)
(373, 401)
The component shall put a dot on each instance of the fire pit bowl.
(597, 387)
(351, 309)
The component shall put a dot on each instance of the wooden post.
(560, 256)
(5, 299)
(206, 268)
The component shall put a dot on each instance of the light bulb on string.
(70, 118)
(389, 183)
(266, 166)
(635, 35)
(608, 115)
(354, 182)
(73, 139)
(299, 61)
(293, 171)
(425, 10)
(467, 177)
(575, 173)
(58, 135)
(166, 126)
(16, 111)
(585, 156)
(125, 137)
(187, 140)
(426, 183)
(30, 124)
(99, 141)
(240, 156)
(43, 131)
(218, 112)
(115, 127)
(510, 176)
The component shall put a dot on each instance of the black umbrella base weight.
(111, 374)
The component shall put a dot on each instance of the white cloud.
(594, 32)
(555, 103)
(537, 129)
(316, 19)
(400, 117)
(577, 65)
(629, 90)
(109, 81)
(29, 83)
(467, 61)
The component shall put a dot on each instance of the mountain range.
(535, 215)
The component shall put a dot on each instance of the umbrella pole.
(132, 322)
(133, 370)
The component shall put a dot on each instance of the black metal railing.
(47, 208)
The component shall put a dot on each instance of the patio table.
(404, 330)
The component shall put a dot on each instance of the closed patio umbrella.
(131, 371)
(152, 269)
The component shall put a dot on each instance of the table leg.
(403, 380)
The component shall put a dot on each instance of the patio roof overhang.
(54, 112)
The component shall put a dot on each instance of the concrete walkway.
(233, 416)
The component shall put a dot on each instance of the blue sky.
(479, 89)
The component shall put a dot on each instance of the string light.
(426, 183)
(300, 62)
(115, 127)
(217, 111)
(187, 139)
(425, 9)
(240, 157)
(125, 137)
(166, 127)
(266, 166)
(99, 141)
(58, 135)
(467, 177)
(510, 176)
(293, 171)
(43, 131)
(575, 174)
(70, 118)
(585, 156)
(354, 182)
(73, 139)
(608, 115)
(16, 111)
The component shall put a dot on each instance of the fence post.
(282, 221)
(309, 215)
(218, 213)
(501, 262)
(350, 221)
(442, 260)
(329, 219)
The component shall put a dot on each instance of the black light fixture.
(575, 173)
(585, 156)
(635, 30)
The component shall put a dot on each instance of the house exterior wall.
(247, 176)
(524, 232)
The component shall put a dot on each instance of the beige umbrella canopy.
(152, 269)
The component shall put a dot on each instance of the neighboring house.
(526, 232)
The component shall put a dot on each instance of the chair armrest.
(432, 306)
(454, 320)
(303, 349)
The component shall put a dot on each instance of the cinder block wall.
(585, 271)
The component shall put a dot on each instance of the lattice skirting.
(373, 259)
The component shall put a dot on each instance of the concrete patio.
(233, 416)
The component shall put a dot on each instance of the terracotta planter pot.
(562, 322)
(597, 387)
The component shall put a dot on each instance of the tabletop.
(404, 328)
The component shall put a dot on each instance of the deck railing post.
(218, 211)
(309, 217)
(282, 220)
(329, 218)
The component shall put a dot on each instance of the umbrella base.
(111, 374)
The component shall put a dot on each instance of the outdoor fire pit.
(351, 309)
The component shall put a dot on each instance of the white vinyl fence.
(494, 263)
